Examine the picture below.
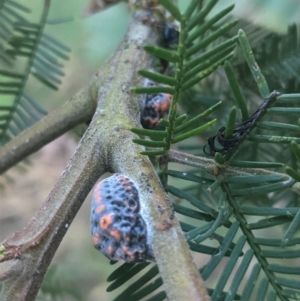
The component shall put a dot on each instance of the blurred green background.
(77, 266)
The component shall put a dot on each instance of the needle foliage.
(232, 132)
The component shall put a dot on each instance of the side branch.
(212, 167)
(27, 254)
(222, 171)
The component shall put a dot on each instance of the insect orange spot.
(96, 239)
(100, 208)
(115, 234)
(106, 221)
(164, 106)
(98, 199)
(109, 250)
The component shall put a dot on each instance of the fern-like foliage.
(276, 54)
(10, 12)
(190, 70)
(25, 44)
(243, 219)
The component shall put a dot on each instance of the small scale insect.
(170, 36)
(154, 108)
(119, 231)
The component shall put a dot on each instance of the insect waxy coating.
(119, 231)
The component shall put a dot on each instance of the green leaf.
(209, 23)
(284, 111)
(163, 53)
(289, 98)
(239, 274)
(194, 201)
(272, 139)
(200, 67)
(253, 66)
(295, 149)
(230, 123)
(150, 143)
(170, 7)
(292, 173)
(223, 249)
(164, 123)
(193, 132)
(205, 73)
(219, 158)
(207, 55)
(131, 289)
(228, 268)
(152, 90)
(199, 17)
(197, 118)
(125, 277)
(148, 289)
(292, 229)
(11, 74)
(212, 37)
(280, 253)
(18, 6)
(55, 42)
(45, 73)
(192, 213)
(266, 211)
(214, 186)
(255, 179)
(57, 52)
(180, 119)
(252, 164)
(251, 282)
(288, 282)
(149, 133)
(277, 268)
(262, 289)
(157, 77)
(125, 267)
(189, 177)
(191, 9)
(44, 80)
(270, 125)
(263, 188)
(275, 242)
(153, 153)
(239, 100)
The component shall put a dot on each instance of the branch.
(221, 171)
(79, 109)
(107, 145)
(212, 167)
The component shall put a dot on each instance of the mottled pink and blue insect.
(154, 108)
(119, 231)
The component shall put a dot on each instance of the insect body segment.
(119, 231)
